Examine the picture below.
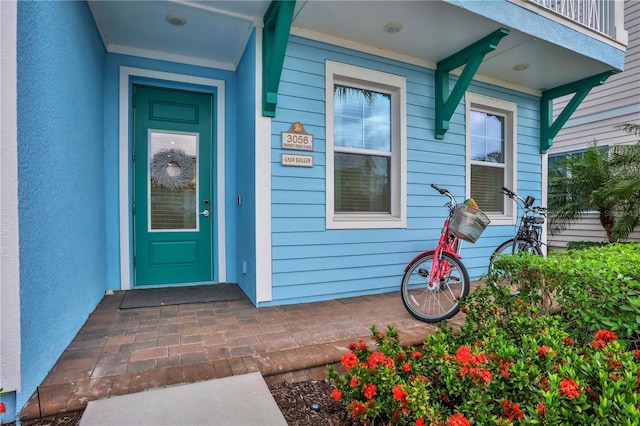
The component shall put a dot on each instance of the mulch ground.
(302, 404)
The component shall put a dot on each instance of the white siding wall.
(615, 102)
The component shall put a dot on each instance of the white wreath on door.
(172, 168)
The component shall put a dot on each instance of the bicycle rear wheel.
(513, 246)
(441, 299)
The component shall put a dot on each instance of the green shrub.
(597, 288)
(581, 245)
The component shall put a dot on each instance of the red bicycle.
(436, 280)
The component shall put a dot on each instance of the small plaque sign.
(297, 138)
(297, 160)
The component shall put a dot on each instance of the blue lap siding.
(311, 262)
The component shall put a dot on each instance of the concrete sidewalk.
(242, 400)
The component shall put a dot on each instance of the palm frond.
(631, 128)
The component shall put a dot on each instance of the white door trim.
(126, 267)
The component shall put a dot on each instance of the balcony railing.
(595, 14)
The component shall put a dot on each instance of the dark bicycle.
(529, 235)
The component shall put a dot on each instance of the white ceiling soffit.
(215, 35)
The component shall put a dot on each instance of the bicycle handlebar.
(509, 193)
(437, 188)
(452, 203)
(538, 210)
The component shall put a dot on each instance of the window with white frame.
(366, 145)
(491, 153)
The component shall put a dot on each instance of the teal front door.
(173, 199)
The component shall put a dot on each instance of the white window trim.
(397, 86)
(509, 110)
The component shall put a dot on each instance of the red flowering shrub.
(509, 364)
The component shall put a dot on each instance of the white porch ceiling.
(216, 32)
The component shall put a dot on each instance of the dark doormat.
(143, 298)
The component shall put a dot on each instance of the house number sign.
(296, 138)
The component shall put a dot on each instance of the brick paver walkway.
(122, 351)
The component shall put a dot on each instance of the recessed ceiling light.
(521, 67)
(177, 20)
(392, 27)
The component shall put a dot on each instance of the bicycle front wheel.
(440, 299)
(513, 246)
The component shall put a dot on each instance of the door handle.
(205, 213)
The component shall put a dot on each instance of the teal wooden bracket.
(277, 25)
(549, 128)
(471, 57)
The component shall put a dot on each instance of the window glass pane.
(377, 135)
(347, 132)
(486, 182)
(173, 181)
(487, 137)
(362, 183)
(362, 118)
(348, 102)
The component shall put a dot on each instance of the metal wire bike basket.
(468, 223)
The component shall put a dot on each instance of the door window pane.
(173, 191)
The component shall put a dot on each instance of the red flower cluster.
(569, 388)
(598, 344)
(399, 394)
(3, 408)
(349, 360)
(511, 410)
(370, 390)
(470, 362)
(406, 367)
(614, 363)
(504, 368)
(416, 355)
(606, 335)
(568, 341)
(354, 382)
(543, 351)
(360, 346)
(638, 353)
(458, 419)
(420, 421)
(357, 409)
(377, 358)
(464, 356)
(541, 409)
(336, 394)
